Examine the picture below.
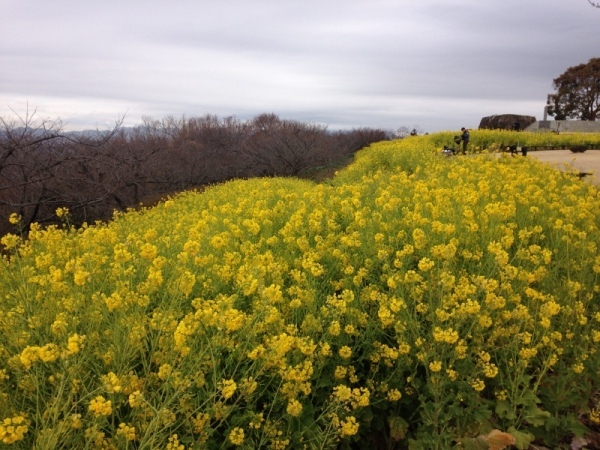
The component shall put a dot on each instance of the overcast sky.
(434, 64)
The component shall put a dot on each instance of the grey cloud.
(347, 63)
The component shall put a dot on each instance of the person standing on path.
(465, 139)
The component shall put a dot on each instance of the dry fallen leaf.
(578, 443)
(499, 440)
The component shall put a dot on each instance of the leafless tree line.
(42, 167)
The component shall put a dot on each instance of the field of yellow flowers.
(412, 301)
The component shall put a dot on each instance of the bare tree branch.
(43, 167)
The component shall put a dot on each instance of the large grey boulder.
(506, 122)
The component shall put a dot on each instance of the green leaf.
(504, 410)
(535, 415)
(366, 415)
(577, 428)
(415, 445)
(307, 417)
(528, 398)
(398, 428)
(324, 381)
(478, 443)
(482, 414)
(522, 438)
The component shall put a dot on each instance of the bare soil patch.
(586, 163)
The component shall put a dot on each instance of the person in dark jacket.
(465, 139)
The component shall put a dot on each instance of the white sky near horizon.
(432, 64)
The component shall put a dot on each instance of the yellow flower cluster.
(234, 314)
(31, 354)
(237, 436)
(128, 432)
(12, 429)
(174, 444)
(228, 389)
(112, 383)
(99, 406)
(74, 343)
(349, 426)
(14, 218)
(294, 408)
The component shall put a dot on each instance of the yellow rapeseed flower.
(62, 212)
(228, 388)
(345, 352)
(135, 399)
(236, 437)
(100, 406)
(294, 408)
(13, 429)
(14, 218)
(393, 395)
(342, 392)
(164, 371)
(174, 444)
(76, 422)
(349, 426)
(426, 264)
(478, 385)
(10, 240)
(435, 366)
(112, 383)
(334, 328)
(75, 343)
(127, 431)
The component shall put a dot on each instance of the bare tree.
(285, 147)
(36, 165)
(42, 167)
(345, 143)
(402, 132)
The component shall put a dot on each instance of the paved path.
(588, 161)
